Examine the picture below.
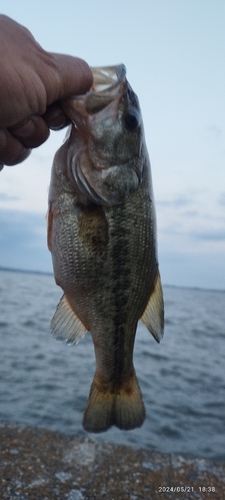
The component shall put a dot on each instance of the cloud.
(213, 235)
(195, 213)
(194, 270)
(191, 239)
(214, 132)
(221, 199)
(23, 241)
(176, 202)
(187, 256)
(7, 197)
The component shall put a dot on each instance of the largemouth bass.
(102, 236)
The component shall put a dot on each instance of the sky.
(174, 52)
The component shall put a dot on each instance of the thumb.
(71, 76)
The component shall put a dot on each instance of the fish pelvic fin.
(153, 315)
(65, 325)
(122, 407)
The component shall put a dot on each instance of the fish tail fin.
(121, 407)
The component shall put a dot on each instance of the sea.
(45, 383)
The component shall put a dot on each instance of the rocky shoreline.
(38, 464)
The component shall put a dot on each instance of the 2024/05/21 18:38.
(186, 489)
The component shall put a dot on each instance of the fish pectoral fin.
(65, 325)
(153, 315)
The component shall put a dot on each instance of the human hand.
(32, 84)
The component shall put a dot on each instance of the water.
(46, 383)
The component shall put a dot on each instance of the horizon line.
(166, 285)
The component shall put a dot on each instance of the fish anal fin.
(65, 325)
(123, 408)
(153, 315)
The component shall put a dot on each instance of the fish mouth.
(109, 83)
(108, 77)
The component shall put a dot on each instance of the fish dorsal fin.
(65, 325)
(153, 315)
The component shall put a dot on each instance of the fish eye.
(132, 119)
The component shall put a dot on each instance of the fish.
(102, 237)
